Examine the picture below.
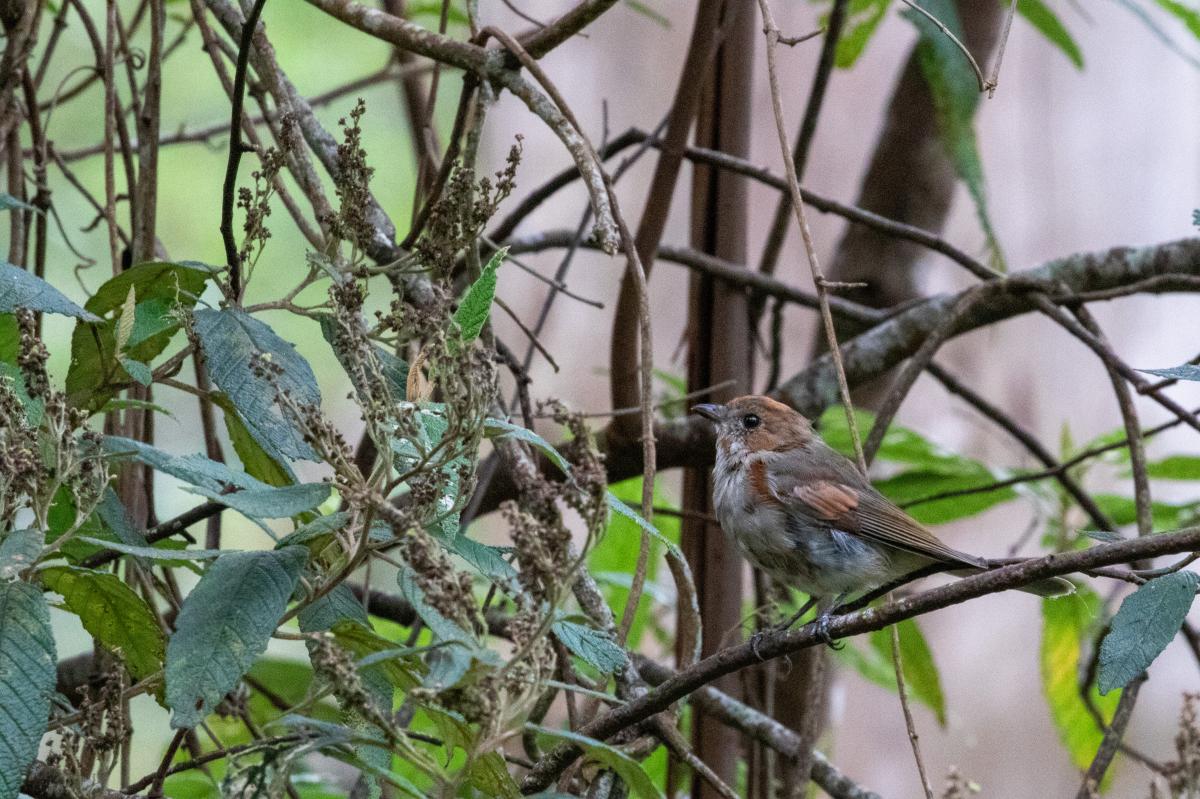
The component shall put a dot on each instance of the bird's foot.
(822, 631)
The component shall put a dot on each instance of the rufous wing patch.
(828, 500)
(760, 484)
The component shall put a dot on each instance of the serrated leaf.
(595, 648)
(255, 459)
(224, 624)
(125, 320)
(22, 289)
(862, 20)
(1039, 15)
(1146, 622)
(19, 550)
(626, 767)
(113, 614)
(27, 674)
(955, 90)
(916, 662)
(232, 341)
(448, 664)
(472, 313)
(1066, 624)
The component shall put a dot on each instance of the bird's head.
(756, 424)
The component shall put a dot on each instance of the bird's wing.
(849, 503)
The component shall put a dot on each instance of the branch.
(557, 31)
(778, 644)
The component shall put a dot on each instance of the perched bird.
(803, 512)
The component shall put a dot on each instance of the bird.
(804, 513)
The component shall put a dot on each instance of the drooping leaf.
(255, 460)
(152, 280)
(22, 289)
(19, 549)
(626, 767)
(595, 648)
(1190, 17)
(1175, 467)
(862, 20)
(1066, 624)
(113, 614)
(476, 305)
(1146, 622)
(27, 673)
(224, 624)
(916, 662)
(232, 342)
(955, 90)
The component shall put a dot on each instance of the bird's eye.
(750, 421)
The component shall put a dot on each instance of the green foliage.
(921, 674)
(113, 614)
(19, 549)
(223, 484)
(1185, 14)
(476, 305)
(863, 18)
(22, 289)
(626, 767)
(134, 317)
(1187, 371)
(1147, 621)
(1067, 627)
(595, 648)
(1039, 15)
(1175, 467)
(238, 347)
(224, 624)
(27, 669)
(926, 470)
(497, 428)
(956, 93)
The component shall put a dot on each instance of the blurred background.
(1075, 159)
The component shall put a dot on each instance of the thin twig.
(909, 724)
(994, 80)
(229, 190)
(949, 35)
(771, 31)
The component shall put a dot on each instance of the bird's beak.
(710, 410)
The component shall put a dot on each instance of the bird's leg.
(757, 638)
(824, 615)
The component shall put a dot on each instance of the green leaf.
(224, 624)
(1163, 515)
(1147, 621)
(393, 369)
(1066, 624)
(862, 20)
(22, 289)
(220, 483)
(917, 485)
(448, 664)
(916, 662)
(1039, 15)
(1175, 467)
(358, 639)
(113, 614)
(155, 553)
(596, 648)
(137, 370)
(19, 550)
(255, 460)
(1190, 17)
(160, 289)
(27, 674)
(955, 91)
(10, 337)
(626, 767)
(232, 342)
(489, 775)
(476, 305)
(125, 320)
(498, 428)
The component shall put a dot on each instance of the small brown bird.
(804, 513)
